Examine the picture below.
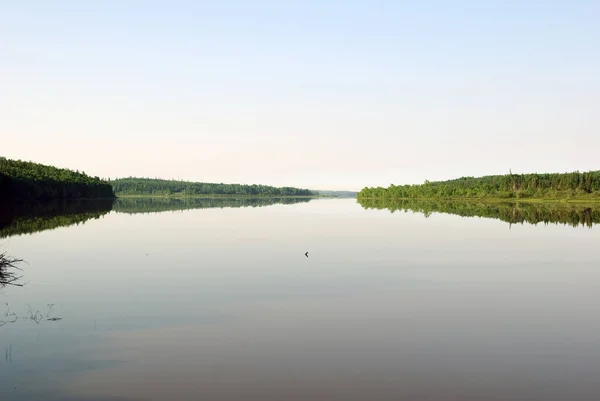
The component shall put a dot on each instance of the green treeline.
(510, 186)
(20, 180)
(151, 186)
(18, 218)
(33, 181)
(573, 214)
(156, 205)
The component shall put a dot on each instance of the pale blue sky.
(317, 94)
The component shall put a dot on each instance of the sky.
(313, 94)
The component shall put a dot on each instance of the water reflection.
(31, 217)
(227, 307)
(572, 214)
(157, 205)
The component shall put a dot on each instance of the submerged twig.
(33, 315)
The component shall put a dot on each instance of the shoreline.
(489, 200)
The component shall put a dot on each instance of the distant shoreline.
(486, 200)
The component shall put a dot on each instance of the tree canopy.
(21, 180)
(155, 186)
(549, 186)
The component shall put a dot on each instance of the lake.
(215, 300)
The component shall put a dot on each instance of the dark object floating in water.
(53, 319)
(306, 254)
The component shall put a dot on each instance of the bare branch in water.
(35, 316)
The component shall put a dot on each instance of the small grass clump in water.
(8, 268)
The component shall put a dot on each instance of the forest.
(572, 214)
(21, 180)
(555, 186)
(29, 181)
(152, 186)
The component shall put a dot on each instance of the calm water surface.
(222, 304)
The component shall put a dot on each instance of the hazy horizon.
(324, 95)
